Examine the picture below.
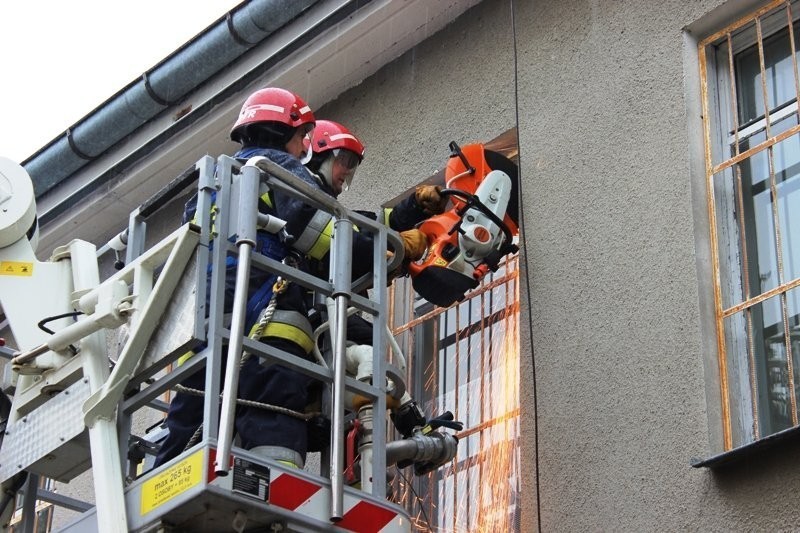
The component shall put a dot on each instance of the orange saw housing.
(442, 276)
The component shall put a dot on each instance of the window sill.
(725, 459)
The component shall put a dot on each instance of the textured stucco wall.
(614, 234)
(618, 333)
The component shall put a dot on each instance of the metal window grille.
(466, 360)
(750, 87)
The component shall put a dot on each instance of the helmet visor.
(348, 160)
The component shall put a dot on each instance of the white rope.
(251, 403)
(263, 319)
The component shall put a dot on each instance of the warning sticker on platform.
(172, 482)
(16, 268)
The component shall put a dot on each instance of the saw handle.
(455, 151)
(470, 201)
(446, 420)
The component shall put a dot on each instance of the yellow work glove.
(414, 244)
(429, 198)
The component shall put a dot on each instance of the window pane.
(758, 209)
(446, 504)
(730, 245)
(463, 314)
(793, 310)
(757, 370)
(779, 76)
(447, 365)
(739, 378)
(787, 174)
(775, 376)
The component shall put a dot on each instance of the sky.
(60, 59)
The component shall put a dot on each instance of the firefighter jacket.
(291, 314)
(311, 229)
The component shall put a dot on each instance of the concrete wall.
(615, 233)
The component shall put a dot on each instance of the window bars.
(466, 360)
(750, 87)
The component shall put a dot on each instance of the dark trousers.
(273, 384)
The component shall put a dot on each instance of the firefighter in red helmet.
(335, 154)
(273, 118)
(273, 123)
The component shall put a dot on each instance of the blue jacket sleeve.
(299, 215)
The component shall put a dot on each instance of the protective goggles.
(346, 158)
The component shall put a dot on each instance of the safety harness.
(257, 331)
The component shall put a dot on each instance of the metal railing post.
(341, 254)
(248, 215)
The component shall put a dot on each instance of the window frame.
(721, 132)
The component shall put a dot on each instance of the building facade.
(654, 303)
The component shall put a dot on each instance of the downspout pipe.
(160, 87)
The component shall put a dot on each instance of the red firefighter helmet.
(272, 104)
(329, 135)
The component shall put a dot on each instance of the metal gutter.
(339, 11)
(331, 47)
(165, 84)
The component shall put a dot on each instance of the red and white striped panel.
(361, 516)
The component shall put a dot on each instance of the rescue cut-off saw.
(470, 239)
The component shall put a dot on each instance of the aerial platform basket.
(71, 410)
(257, 495)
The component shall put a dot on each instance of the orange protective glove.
(429, 198)
(414, 244)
